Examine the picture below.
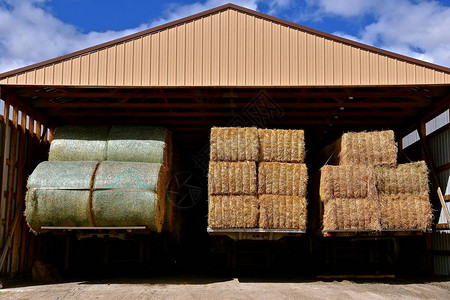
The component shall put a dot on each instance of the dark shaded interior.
(324, 114)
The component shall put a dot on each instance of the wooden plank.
(29, 168)
(20, 199)
(3, 200)
(8, 240)
(11, 171)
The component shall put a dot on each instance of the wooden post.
(10, 199)
(4, 171)
(30, 166)
(20, 197)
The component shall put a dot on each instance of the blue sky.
(35, 30)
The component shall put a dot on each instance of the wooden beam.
(228, 114)
(225, 93)
(220, 105)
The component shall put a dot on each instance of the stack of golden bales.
(404, 196)
(232, 180)
(369, 191)
(235, 201)
(282, 179)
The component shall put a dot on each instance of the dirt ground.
(194, 287)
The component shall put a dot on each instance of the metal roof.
(229, 46)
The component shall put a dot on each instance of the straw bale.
(127, 208)
(409, 178)
(279, 145)
(130, 194)
(234, 144)
(351, 214)
(347, 182)
(232, 178)
(282, 212)
(233, 212)
(147, 144)
(62, 175)
(78, 143)
(52, 207)
(282, 179)
(368, 148)
(170, 210)
(58, 194)
(405, 211)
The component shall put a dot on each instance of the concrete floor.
(199, 287)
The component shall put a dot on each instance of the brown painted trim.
(442, 168)
(240, 9)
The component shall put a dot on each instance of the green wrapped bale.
(147, 144)
(130, 194)
(58, 194)
(67, 208)
(127, 208)
(79, 143)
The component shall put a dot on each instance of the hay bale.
(234, 144)
(276, 145)
(58, 194)
(232, 178)
(146, 144)
(288, 179)
(130, 194)
(170, 210)
(405, 211)
(409, 179)
(351, 214)
(233, 211)
(347, 182)
(368, 148)
(282, 212)
(57, 208)
(79, 143)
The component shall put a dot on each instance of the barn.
(228, 66)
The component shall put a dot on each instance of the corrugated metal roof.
(230, 46)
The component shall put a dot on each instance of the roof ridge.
(216, 10)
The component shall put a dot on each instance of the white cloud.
(414, 28)
(176, 11)
(276, 6)
(345, 8)
(29, 34)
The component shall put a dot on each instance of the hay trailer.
(225, 67)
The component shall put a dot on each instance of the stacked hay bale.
(282, 179)
(101, 176)
(349, 198)
(368, 190)
(348, 191)
(404, 196)
(232, 181)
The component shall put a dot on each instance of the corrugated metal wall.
(230, 48)
(439, 145)
(441, 249)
